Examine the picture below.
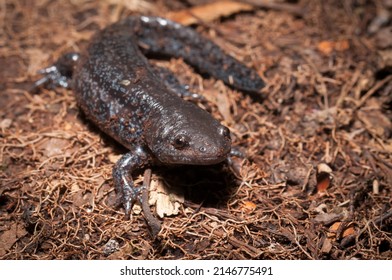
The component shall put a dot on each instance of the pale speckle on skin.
(125, 82)
(162, 21)
(145, 19)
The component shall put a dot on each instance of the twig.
(381, 218)
(373, 90)
(266, 4)
(152, 222)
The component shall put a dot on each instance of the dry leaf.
(349, 231)
(10, 236)
(114, 158)
(376, 187)
(324, 177)
(327, 246)
(327, 47)
(342, 45)
(248, 206)
(208, 12)
(335, 226)
(5, 123)
(167, 202)
(375, 122)
(55, 147)
(324, 168)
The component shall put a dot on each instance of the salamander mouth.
(186, 160)
(207, 160)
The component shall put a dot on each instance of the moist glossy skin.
(119, 91)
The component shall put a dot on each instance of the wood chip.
(208, 12)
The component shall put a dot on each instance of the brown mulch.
(316, 181)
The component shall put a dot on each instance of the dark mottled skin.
(122, 94)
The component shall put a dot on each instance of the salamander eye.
(224, 131)
(180, 142)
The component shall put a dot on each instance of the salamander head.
(190, 136)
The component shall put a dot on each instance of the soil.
(316, 179)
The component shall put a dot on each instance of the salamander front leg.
(60, 73)
(235, 168)
(122, 176)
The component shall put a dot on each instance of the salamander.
(119, 91)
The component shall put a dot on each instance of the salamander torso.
(123, 95)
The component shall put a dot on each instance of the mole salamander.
(123, 95)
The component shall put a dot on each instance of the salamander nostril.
(203, 149)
